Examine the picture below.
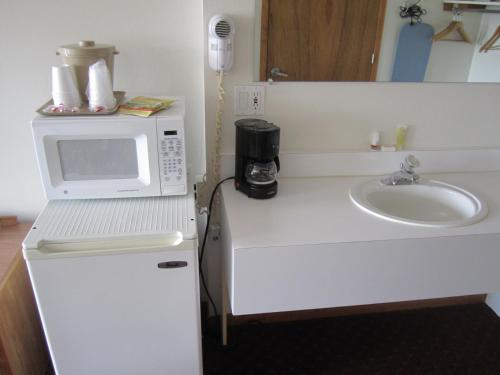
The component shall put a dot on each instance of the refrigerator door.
(121, 313)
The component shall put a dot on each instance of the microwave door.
(101, 160)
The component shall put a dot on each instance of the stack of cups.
(64, 87)
(100, 89)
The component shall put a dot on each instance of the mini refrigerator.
(116, 283)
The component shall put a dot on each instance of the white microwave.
(115, 156)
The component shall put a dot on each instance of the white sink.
(428, 203)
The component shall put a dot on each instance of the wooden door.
(321, 40)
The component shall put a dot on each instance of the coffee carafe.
(257, 162)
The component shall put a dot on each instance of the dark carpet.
(449, 340)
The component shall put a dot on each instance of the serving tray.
(45, 110)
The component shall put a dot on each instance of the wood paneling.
(449, 7)
(321, 40)
(264, 33)
(355, 310)
(11, 238)
(22, 345)
(7, 221)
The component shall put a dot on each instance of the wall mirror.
(377, 40)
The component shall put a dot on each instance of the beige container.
(80, 56)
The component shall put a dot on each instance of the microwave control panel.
(172, 157)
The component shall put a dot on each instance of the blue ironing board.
(412, 53)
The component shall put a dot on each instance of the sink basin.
(429, 203)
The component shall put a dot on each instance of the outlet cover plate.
(249, 100)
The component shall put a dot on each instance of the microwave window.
(98, 159)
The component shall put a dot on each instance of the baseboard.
(355, 310)
(493, 301)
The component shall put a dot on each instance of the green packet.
(144, 106)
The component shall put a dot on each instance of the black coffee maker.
(257, 162)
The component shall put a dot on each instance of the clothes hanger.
(490, 43)
(455, 25)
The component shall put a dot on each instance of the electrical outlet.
(249, 100)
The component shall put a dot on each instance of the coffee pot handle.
(277, 161)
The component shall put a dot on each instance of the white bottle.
(375, 141)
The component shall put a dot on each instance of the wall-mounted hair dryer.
(220, 42)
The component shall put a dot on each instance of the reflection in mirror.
(377, 40)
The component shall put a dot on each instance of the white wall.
(161, 52)
(486, 66)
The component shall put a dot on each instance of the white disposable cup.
(66, 99)
(100, 88)
(107, 103)
(64, 86)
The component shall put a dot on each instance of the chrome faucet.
(406, 175)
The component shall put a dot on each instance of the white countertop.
(317, 210)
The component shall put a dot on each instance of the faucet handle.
(410, 163)
(405, 176)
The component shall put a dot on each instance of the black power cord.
(414, 12)
(202, 251)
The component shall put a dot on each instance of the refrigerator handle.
(172, 264)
